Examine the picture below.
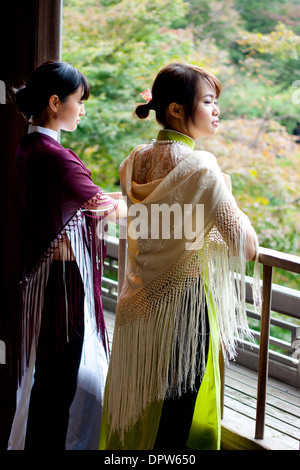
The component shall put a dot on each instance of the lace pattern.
(231, 222)
(156, 160)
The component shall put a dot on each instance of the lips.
(215, 123)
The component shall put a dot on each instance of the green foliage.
(276, 53)
(122, 46)
(260, 16)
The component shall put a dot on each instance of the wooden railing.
(270, 259)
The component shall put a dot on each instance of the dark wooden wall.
(30, 34)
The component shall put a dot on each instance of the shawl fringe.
(83, 240)
(160, 332)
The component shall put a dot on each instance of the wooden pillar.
(29, 35)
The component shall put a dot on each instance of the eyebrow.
(209, 94)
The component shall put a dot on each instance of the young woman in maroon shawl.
(64, 340)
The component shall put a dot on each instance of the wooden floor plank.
(280, 420)
(238, 432)
(278, 402)
(286, 393)
(282, 408)
(243, 414)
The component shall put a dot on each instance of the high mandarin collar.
(174, 136)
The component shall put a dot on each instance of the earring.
(54, 116)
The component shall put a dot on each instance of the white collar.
(43, 130)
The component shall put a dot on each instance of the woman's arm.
(232, 223)
(110, 205)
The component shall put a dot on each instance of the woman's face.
(70, 112)
(206, 119)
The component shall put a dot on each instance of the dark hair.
(50, 78)
(177, 83)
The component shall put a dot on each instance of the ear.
(54, 103)
(176, 110)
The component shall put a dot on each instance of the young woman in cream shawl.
(183, 294)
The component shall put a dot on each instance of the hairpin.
(147, 95)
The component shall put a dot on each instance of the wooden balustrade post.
(121, 256)
(263, 352)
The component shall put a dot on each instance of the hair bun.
(23, 101)
(143, 110)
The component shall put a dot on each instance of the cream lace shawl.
(161, 309)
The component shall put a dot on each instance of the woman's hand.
(117, 195)
(121, 212)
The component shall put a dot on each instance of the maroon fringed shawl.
(57, 192)
(54, 184)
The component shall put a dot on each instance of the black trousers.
(177, 414)
(58, 359)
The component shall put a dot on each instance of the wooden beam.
(29, 35)
(48, 31)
